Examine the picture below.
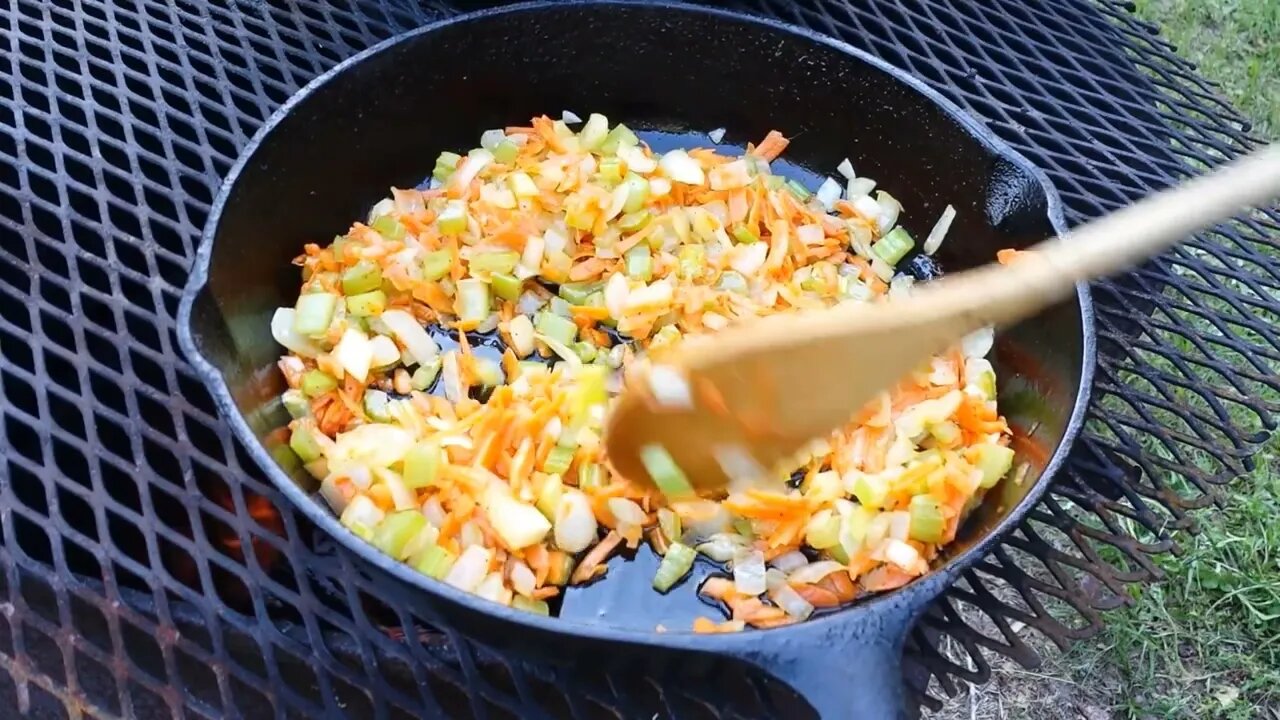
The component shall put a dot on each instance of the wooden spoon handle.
(1111, 243)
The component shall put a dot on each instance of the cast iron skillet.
(380, 118)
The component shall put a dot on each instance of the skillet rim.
(911, 597)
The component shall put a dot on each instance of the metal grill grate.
(138, 574)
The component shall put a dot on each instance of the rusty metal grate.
(140, 575)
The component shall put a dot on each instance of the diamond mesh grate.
(139, 573)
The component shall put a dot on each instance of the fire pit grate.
(148, 570)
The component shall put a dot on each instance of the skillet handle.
(845, 668)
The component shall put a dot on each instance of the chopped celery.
(522, 186)
(610, 170)
(619, 136)
(425, 376)
(396, 530)
(639, 262)
(743, 235)
(591, 389)
(473, 301)
(926, 519)
(595, 299)
(422, 465)
(994, 461)
(453, 218)
(367, 304)
(445, 165)
(664, 472)
(637, 193)
(317, 382)
(733, 281)
(800, 191)
(670, 525)
(362, 277)
(538, 607)
(549, 496)
(498, 261)
(742, 526)
(377, 405)
(871, 490)
(558, 461)
(774, 182)
(675, 565)
(488, 372)
(505, 286)
(823, 530)
(388, 227)
(837, 553)
(893, 247)
(577, 293)
(436, 264)
(633, 222)
(304, 443)
(586, 350)
(313, 313)
(556, 327)
(434, 562)
(590, 476)
(505, 152)
(692, 261)
(295, 402)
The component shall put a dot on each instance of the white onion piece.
(411, 334)
(656, 294)
(332, 495)
(354, 354)
(867, 207)
(401, 496)
(789, 562)
(889, 210)
(451, 376)
(977, 344)
(564, 351)
(899, 525)
(845, 168)
(470, 569)
(471, 166)
(900, 286)
(575, 524)
(569, 117)
(383, 351)
(407, 201)
(433, 510)
(492, 588)
(669, 388)
(748, 572)
(659, 187)
(359, 476)
(615, 295)
(721, 546)
(828, 193)
(882, 269)
(738, 464)
(520, 329)
(556, 238)
(810, 574)
(282, 330)
(489, 139)
(703, 518)
(362, 512)
(939, 231)
(811, 234)
(530, 302)
(902, 554)
(678, 166)
(522, 578)
(774, 578)
(380, 208)
(785, 597)
(859, 188)
(636, 160)
(617, 201)
(748, 259)
(376, 445)
(627, 512)
(716, 135)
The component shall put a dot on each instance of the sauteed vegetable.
(592, 257)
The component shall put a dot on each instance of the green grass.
(1205, 643)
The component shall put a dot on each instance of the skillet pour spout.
(673, 73)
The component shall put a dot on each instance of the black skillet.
(380, 118)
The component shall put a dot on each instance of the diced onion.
(678, 166)
(721, 546)
(810, 574)
(374, 444)
(575, 524)
(471, 166)
(902, 554)
(470, 569)
(785, 597)
(565, 352)
(748, 259)
(451, 376)
(716, 135)
(518, 524)
(615, 295)
(569, 117)
(858, 188)
(738, 464)
(283, 332)
(354, 354)
(828, 193)
(702, 518)
(845, 168)
(977, 344)
(867, 207)
(434, 512)
(811, 234)
(383, 351)
(789, 562)
(748, 572)
(939, 231)
(889, 210)
(522, 578)
(520, 328)
(492, 588)
(627, 512)
(669, 387)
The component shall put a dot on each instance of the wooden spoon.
(762, 391)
